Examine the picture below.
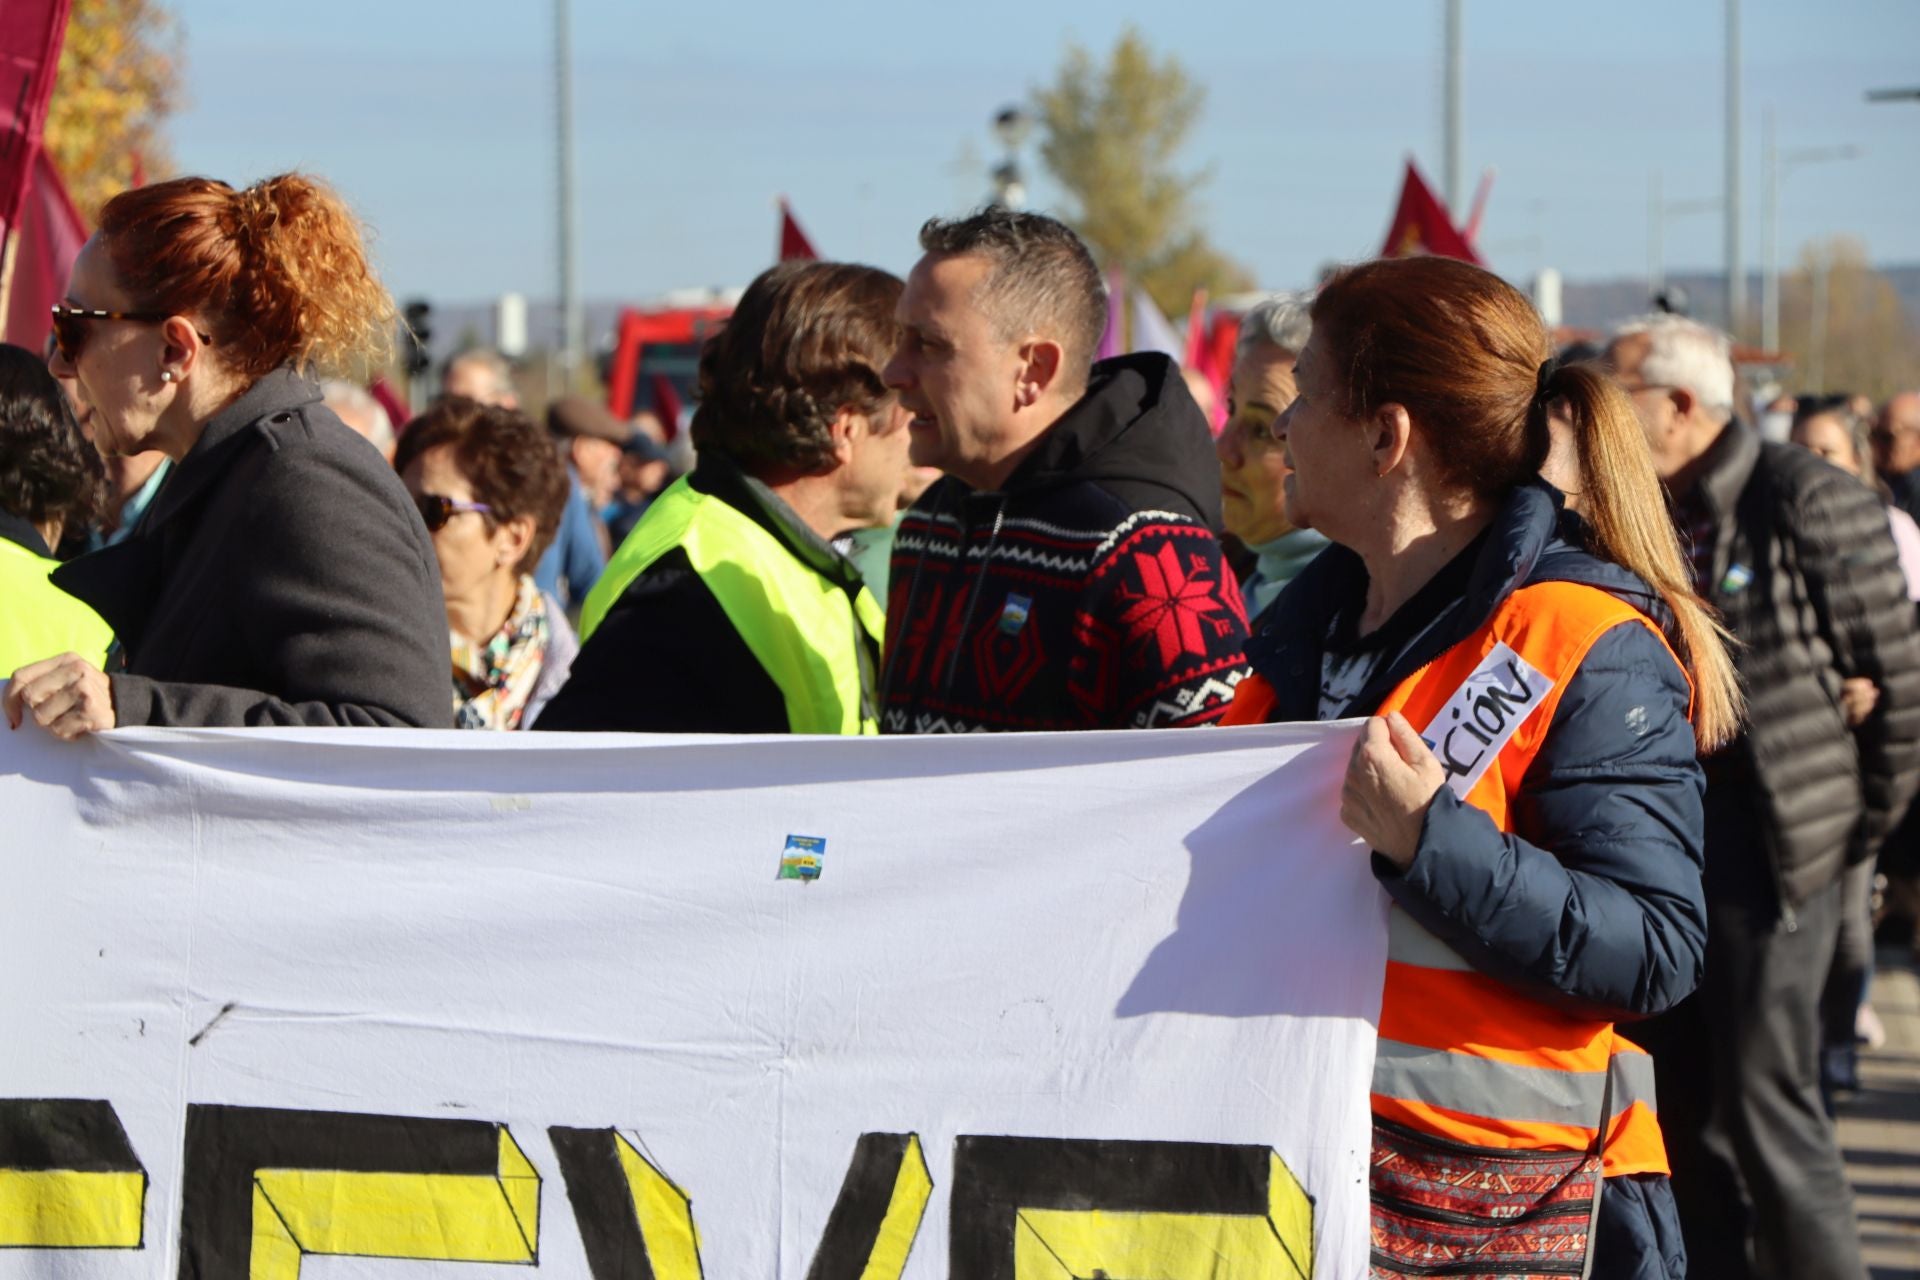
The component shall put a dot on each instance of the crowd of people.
(1640, 681)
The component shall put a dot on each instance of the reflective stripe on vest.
(812, 638)
(1463, 1055)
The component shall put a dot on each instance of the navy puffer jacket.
(1594, 902)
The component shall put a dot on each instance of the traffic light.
(415, 333)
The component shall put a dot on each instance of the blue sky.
(435, 118)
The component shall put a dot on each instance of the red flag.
(1421, 225)
(31, 32)
(49, 237)
(138, 178)
(793, 241)
(1196, 329)
(393, 402)
(666, 405)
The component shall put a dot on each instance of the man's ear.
(1684, 401)
(1041, 360)
(1390, 432)
(847, 426)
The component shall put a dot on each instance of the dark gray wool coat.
(281, 577)
(1806, 575)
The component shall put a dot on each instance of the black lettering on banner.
(68, 1177)
(1059, 1208)
(263, 1188)
(877, 1214)
(636, 1224)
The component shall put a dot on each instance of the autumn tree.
(1111, 135)
(118, 82)
(1842, 324)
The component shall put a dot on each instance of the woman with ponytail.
(1535, 687)
(282, 576)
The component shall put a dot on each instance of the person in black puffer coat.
(1798, 558)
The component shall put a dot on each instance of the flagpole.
(1736, 272)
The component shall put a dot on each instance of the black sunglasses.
(70, 325)
(436, 509)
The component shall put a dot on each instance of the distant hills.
(1588, 304)
(1596, 304)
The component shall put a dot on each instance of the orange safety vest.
(1462, 1055)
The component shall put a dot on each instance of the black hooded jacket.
(1088, 593)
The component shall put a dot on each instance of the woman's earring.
(166, 375)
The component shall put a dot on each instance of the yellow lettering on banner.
(70, 1209)
(424, 1216)
(912, 1187)
(1063, 1244)
(664, 1214)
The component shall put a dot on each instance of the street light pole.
(1777, 166)
(1451, 114)
(572, 324)
(1736, 273)
(1658, 211)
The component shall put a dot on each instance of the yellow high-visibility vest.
(818, 641)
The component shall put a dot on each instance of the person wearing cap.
(643, 472)
(589, 438)
(728, 609)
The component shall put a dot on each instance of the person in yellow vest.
(1536, 685)
(727, 609)
(51, 480)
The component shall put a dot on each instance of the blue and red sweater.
(1089, 593)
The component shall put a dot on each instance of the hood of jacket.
(1138, 431)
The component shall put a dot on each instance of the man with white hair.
(1797, 557)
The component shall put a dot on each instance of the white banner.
(993, 1007)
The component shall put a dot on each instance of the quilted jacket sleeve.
(1596, 903)
(1852, 573)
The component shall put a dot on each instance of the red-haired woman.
(282, 576)
(1535, 686)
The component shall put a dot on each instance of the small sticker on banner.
(1014, 614)
(803, 857)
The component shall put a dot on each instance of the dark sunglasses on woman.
(436, 509)
(70, 325)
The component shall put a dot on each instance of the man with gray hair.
(1798, 559)
(481, 374)
(1063, 573)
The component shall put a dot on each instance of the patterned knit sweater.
(1089, 593)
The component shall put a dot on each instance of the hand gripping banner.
(382, 1004)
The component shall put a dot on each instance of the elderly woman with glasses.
(281, 576)
(491, 490)
(1253, 467)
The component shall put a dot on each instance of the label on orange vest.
(1483, 715)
